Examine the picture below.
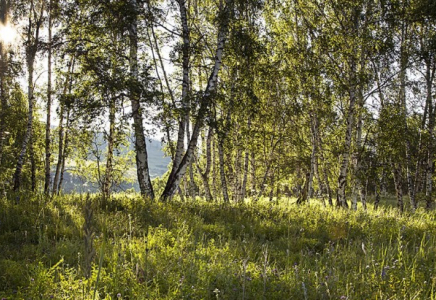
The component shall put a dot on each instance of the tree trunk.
(205, 175)
(64, 152)
(142, 169)
(178, 173)
(253, 173)
(431, 124)
(313, 159)
(31, 49)
(398, 186)
(237, 173)
(60, 148)
(67, 86)
(245, 178)
(32, 162)
(358, 187)
(403, 78)
(214, 170)
(27, 136)
(222, 171)
(342, 179)
(185, 88)
(110, 151)
(192, 186)
(3, 70)
(47, 124)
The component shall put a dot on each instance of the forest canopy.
(251, 98)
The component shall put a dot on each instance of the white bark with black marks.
(142, 168)
(178, 173)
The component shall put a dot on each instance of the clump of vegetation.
(201, 250)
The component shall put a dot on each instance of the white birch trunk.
(142, 169)
(47, 124)
(176, 176)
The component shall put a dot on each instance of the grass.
(71, 247)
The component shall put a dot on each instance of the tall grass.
(199, 250)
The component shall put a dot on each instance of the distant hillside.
(157, 163)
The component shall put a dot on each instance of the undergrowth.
(126, 248)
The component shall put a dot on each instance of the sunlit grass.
(200, 250)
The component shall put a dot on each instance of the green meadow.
(81, 247)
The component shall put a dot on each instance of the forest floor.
(73, 248)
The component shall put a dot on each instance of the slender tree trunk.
(142, 169)
(27, 136)
(31, 49)
(65, 152)
(60, 148)
(431, 124)
(357, 155)
(245, 178)
(326, 178)
(185, 88)
(398, 186)
(192, 186)
(214, 170)
(205, 175)
(47, 125)
(237, 182)
(32, 162)
(342, 180)
(253, 173)
(403, 78)
(353, 95)
(177, 174)
(110, 151)
(246, 163)
(222, 170)
(322, 189)
(3, 70)
(313, 158)
(67, 86)
(323, 163)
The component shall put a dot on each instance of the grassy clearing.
(198, 250)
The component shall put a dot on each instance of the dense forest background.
(199, 149)
(251, 98)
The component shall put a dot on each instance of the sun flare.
(7, 34)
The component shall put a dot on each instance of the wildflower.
(343, 298)
(119, 295)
